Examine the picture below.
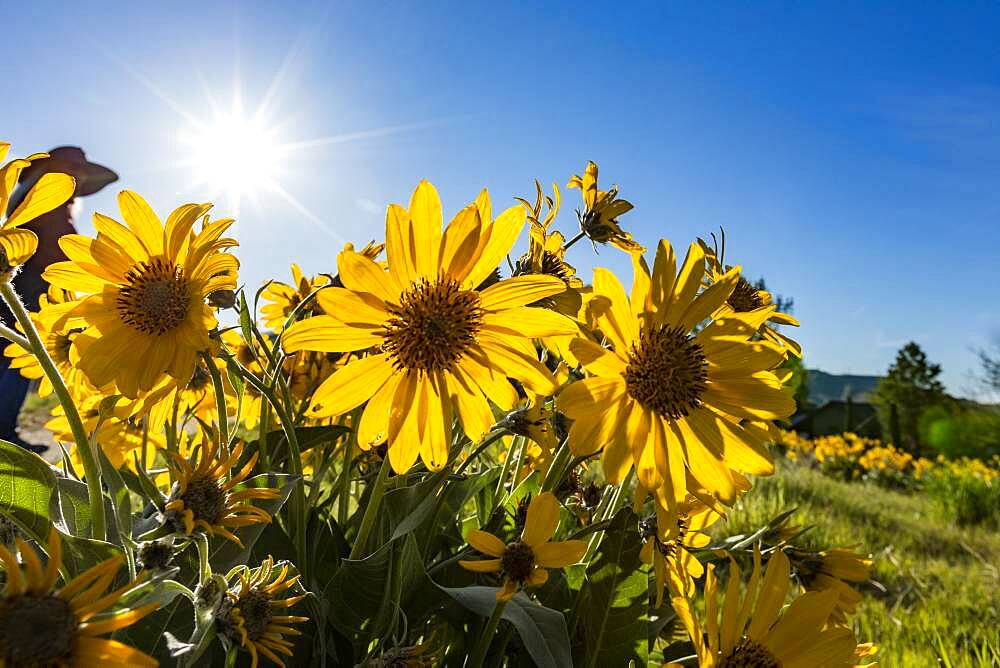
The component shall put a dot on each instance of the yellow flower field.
(444, 451)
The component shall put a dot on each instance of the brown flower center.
(749, 654)
(745, 297)
(155, 298)
(206, 500)
(434, 324)
(667, 372)
(255, 607)
(517, 561)
(36, 631)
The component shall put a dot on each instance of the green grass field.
(937, 598)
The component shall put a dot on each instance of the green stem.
(9, 334)
(487, 442)
(490, 630)
(220, 398)
(574, 240)
(371, 511)
(344, 497)
(504, 471)
(554, 475)
(518, 464)
(91, 467)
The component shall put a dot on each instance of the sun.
(235, 155)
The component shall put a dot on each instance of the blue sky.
(850, 150)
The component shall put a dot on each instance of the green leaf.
(79, 553)
(26, 484)
(246, 322)
(69, 509)
(120, 497)
(367, 596)
(543, 631)
(615, 598)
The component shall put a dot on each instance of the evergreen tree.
(908, 389)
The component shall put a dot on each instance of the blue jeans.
(14, 386)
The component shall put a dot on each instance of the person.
(90, 178)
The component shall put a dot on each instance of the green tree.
(910, 387)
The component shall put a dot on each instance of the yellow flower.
(669, 398)
(832, 569)
(51, 190)
(281, 299)
(755, 632)
(669, 537)
(145, 288)
(523, 562)
(247, 615)
(203, 496)
(41, 625)
(118, 435)
(60, 348)
(546, 255)
(599, 220)
(437, 346)
(747, 297)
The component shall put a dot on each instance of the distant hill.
(824, 387)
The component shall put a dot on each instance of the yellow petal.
(519, 291)
(326, 334)
(773, 591)
(359, 273)
(486, 543)
(495, 242)
(542, 519)
(531, 322)
(538, 577)
(425, 229)
(460, 242)
(18, 245)
(350, 386)
(141, 219)
(480, 566)
(52, 190)
(596, 359)
(398, 245)
(560, 555)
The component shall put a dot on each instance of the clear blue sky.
(851, 150)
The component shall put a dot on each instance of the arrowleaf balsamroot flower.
(668, 538)
(669, 398)
(203, 497)
(523, 562)
(51, 190)
(755, 632)
(248, 614)
(281, 299)
(832, 569)
(436, 345)
(144, 288)
(599, 220)
(41, 625)
(747, 297)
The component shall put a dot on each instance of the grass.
(936, 596)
